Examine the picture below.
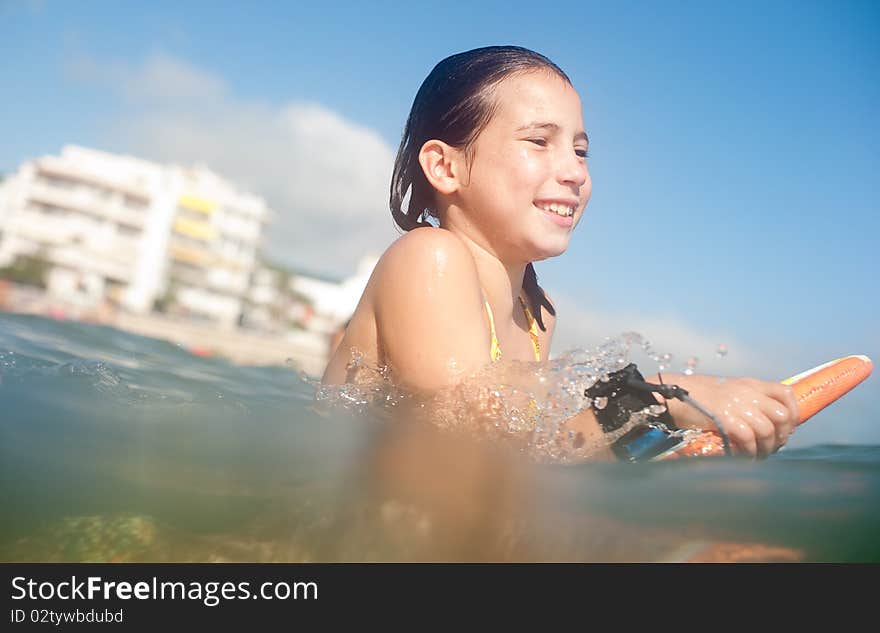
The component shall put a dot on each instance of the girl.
(494, 152)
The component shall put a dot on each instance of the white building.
(120, 229)
(96, 218)
(264, 300)
(334, 301)
(215, 236)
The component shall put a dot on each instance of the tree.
(29, 270)
(163, 303)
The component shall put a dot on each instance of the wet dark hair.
(453, 105)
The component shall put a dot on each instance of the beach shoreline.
(301, 350)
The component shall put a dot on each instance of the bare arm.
(758, 416)
(428, 310)
(432, 325)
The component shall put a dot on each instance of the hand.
(757, 416)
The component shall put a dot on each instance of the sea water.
(115, 447)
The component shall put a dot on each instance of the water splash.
(528, 405)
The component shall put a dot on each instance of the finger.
(740, 433)
(785, 395)
(764, 430)
(780, 407)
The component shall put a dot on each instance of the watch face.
(645, 443)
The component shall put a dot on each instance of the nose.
(572, 170)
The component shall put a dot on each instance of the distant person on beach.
(491, 175)
(4, 294)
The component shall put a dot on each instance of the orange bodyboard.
(814, 389)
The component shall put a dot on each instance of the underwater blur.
(115, 447)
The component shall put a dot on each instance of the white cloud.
(164, 78)
(325, 177)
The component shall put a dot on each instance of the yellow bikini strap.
(494, 348)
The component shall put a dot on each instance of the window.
(58, 182)
(46, 209)
(135, 203)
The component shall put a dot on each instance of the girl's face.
(528, 181)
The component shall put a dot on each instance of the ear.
(441, 164)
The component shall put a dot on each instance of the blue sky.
(734, 148)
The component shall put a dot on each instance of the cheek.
(507, 177)
(586, 190)
(526, 166)
(516, 165)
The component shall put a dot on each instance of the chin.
(547, 250)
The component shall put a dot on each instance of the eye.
(583, 153)
(538, 141)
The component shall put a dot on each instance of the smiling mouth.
(564, 210)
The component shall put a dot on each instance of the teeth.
(558, 209)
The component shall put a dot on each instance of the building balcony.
(202, 231)
(86, 202)
(191, 255)
(53, 166)
(80, 259)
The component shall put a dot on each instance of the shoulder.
(427, 259)
(428, 308)
(427, 249)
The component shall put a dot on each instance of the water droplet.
(722, 350)
(600, 402)
(631, 338)
(656, 409)
(356, 359)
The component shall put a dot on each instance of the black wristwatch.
(624, 393)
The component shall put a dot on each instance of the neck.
(501, 281)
